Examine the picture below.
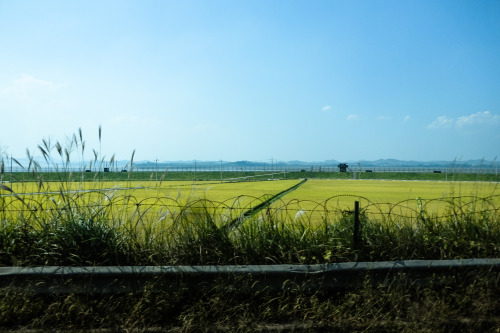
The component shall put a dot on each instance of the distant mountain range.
(334, 163)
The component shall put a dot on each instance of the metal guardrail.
(117, 279)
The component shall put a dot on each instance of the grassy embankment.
(241, 175)
(467, 302)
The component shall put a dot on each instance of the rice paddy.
(315, 198)
(379, 198)
(150, 195)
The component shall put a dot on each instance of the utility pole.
(272, 168)
(156, 171)
(221, 171)
(10, 170)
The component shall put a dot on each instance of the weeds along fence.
(120, 208)
(109, 228)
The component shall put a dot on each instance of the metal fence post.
(356, 225)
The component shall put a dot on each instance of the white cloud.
(27, 86)
(484, 117)
(326, 108)
(440, 122)
(406, 118)
(30, 96)
(478, 118)
(352, 117)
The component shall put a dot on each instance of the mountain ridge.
(363, 163)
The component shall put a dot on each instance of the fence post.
(356, 226)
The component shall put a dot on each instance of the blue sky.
(253, 80)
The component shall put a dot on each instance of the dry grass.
(464, 302)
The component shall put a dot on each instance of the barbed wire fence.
(341, 226)
(129, 206)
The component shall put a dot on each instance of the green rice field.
(314, 199)
(381, 197)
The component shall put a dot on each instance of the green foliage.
(245, 175)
